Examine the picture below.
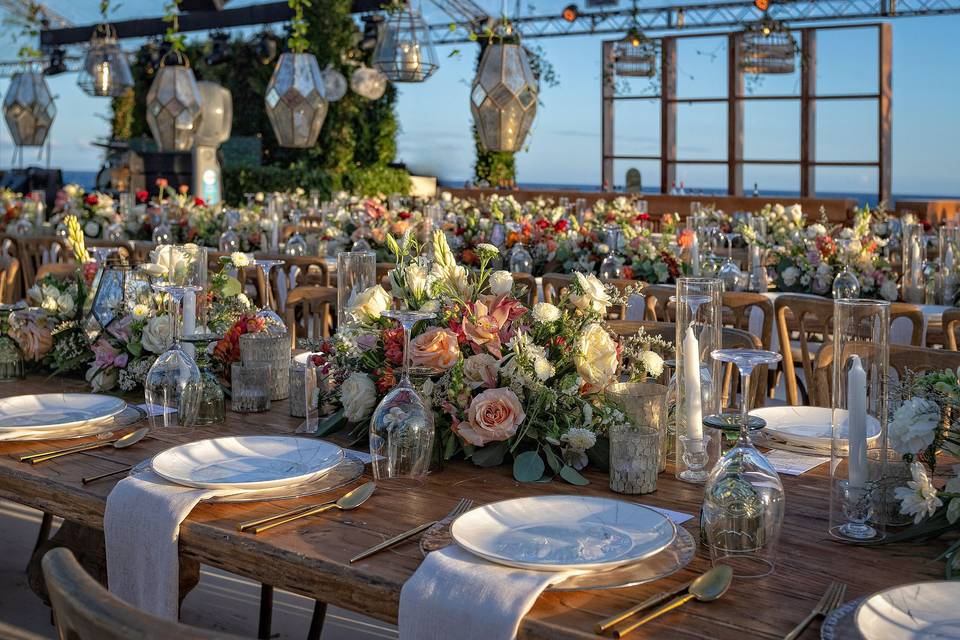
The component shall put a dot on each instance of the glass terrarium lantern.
(635, 56)
(28, 109)
(173, 105)
(403, 51)
(767, 47)
(503, 97)
(105, 72)
(296, 100)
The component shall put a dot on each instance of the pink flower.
(104, 352)
(435, 348)
(121, 360)
(488, 322)
(493, 416)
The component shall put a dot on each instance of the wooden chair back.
(556, 284)
(124, 248)
(141, 251)
(914, 314)
(297, 271)
(529, 284)
(84, 610)
(739, 305)
(811, 317)
(311, 312)
(657, 305)
(9, 280)
(35, 251)
(61, 270)
(950, 323)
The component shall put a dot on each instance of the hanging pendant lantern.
(404, 51)
(296, 100)
(368, 83)
(173, 106)
(767, 46)
(635, 56)
(335, 85)
(28, 109)
(105, 71)
(503, 98)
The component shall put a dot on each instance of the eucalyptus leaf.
(599, 455)
(327, 425)
(490, 455)
(573, 476)
(528, 467)
(552, 460)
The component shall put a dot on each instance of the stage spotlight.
(570, 13)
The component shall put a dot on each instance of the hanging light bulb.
(404, 51)
(334, 83)
(105, 72)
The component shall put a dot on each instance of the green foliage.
(364, 181)
(298, 42)
(171, 16)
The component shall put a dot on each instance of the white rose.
(239, 259)
(50, 291)
(815, 230)
(596, 356)
(156, 334)
(501, 283)
(101, 378)
(446, 196)
(369, 304)
(889, 290)
(796, 213)
(480, 370)
(66, 304)
(790, 275)
(778, 209)
(71, 190)
(545, 312)
(593, 296)
(152, 269)
(175, 260)
(358, 395)
(652, 363)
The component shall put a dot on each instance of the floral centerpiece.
(503, 380)
(95, 211)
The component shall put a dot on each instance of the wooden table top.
(310, 556)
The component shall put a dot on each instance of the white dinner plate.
(247, 462)
(56, 410)
(925, 610)
(563, 533)
(808, 426)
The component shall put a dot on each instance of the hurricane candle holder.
(273, 350)
(949, 263)
(303, 382)
(913, 250)
(634, 459)
(645, 405)
(250, 387)
(861, 353)
(356, 271)
(699, 332)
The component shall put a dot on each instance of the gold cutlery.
(709, 586)
(829, 601)
(28, 456)
(348, 501)
(90, 479)
(243, 526)
(121, 443)
(462, 507)
(652, 601)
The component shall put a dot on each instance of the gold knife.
(652, 601)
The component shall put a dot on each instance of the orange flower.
(685, 239)
(435, 348)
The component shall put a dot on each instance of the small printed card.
(793, 464)
(155, 409)
(676, 516)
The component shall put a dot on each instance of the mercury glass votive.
(645, 405)
(634, 459)
(250, 387)
(11, 360)
(273, 350)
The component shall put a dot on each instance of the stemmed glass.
(211, 407)
(163, 234)
(229, 241)
(730, 272)
(612, 267)
(275, 324)
(743, 501)
(296, 244)
(173, 385)
(845, 284)
(401, 427)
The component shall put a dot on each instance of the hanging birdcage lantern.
(173, 105)
(404, 51)
(503, 97)
(767, 46)
(28, 109)
(335, 85)
(368, 83)
(635, 56)
(296, 100)
(105, 72)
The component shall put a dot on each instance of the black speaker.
(175, 166)
(34, 179)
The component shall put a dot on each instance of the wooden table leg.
(316, 622)
(266, 612)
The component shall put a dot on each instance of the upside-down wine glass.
(729, 272)
(163, 234)
(520, 260)
(296, 244)
(612, 267)
(401, 427)
(743, 500)
(229, 241)
(173, 385)
(845, 284)
(275, 324)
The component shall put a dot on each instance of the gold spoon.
(709, 586)
(121, 443)
(348, 501)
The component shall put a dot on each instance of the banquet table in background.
(311, 556)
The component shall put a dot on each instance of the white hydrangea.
(790, 276)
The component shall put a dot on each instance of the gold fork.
(829, 601)
(462, 507)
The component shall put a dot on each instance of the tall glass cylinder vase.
(356, 271)
(699, 332)
(861, 353)
(949, 279)
(913, 249)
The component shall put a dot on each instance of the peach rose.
(435, 348)
(493, 416)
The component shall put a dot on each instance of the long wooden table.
(310, 556)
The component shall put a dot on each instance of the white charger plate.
(56, 410)
(247, 462)
(925, 610)
(808, 426)
(563, 533)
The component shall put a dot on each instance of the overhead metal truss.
(695, 17)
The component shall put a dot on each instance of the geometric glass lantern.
(368, 83)
(173, 105)
(404, 51)
(296, 100)
(503, 98)
(334, 83)
(635, 56)
(105, 71)
(767, 46)
(28, 109)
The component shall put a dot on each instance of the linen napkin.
(455, 593)
(141, 526)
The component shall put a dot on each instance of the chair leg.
(316, 622)
(266, 612)
(45, 524)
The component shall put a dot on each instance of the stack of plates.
(257, 467)
(607, 543)
(52, 416)
(807, 429)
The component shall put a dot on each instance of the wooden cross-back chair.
(85, 610)
(9, 280)
(529, 284)
(656, 302)
(556, 284)
(35, 251)
(950, 322)
(311, 312)
(124, 247)
(298, 271)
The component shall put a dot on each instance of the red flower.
(393, 345)
(561, 225)
(642, 217)
(542, 224)
(142, 196)
(404, 215)
(91, 200)
(628, 273)
(199, 202)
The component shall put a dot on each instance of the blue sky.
(564, 146)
